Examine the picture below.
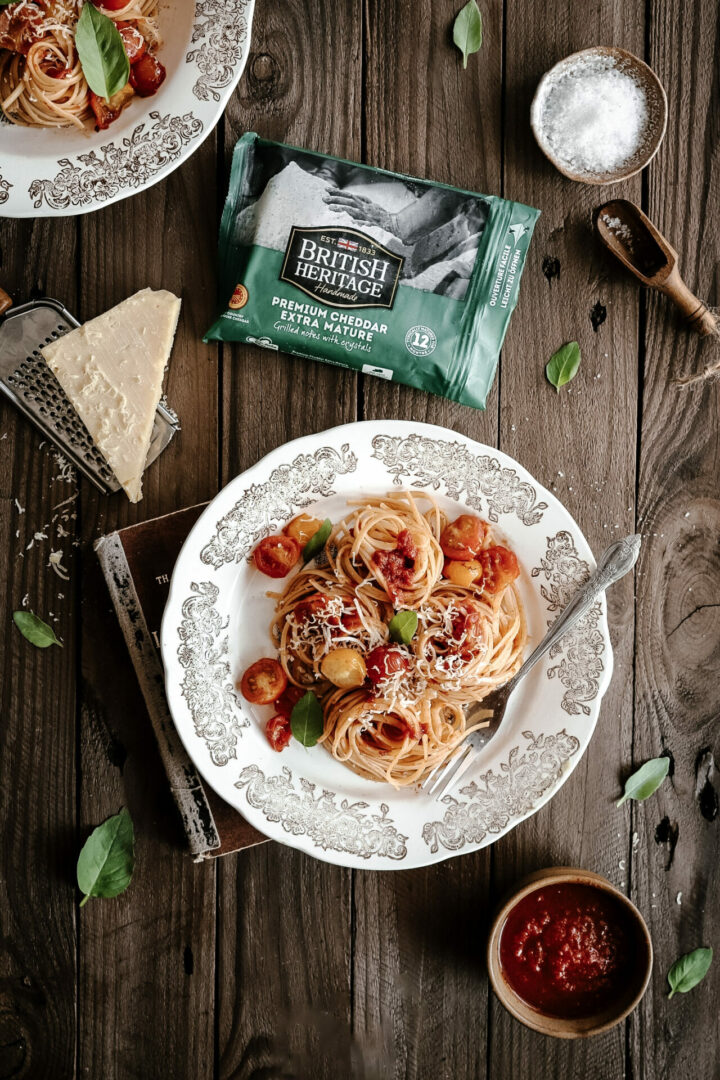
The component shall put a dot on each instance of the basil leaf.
(105, 864)
(468, 30)
(101, 51)
(563, 365)
(689, 970)
(402, 627)
(317, 541)
(306, 721)
(645, 782)
(36, 631)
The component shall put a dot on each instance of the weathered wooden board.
(677, 881)
(284, 920)
(37, 709)
(581, 444)
(146, 959)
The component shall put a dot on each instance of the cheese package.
(111, 368)
(401, 278)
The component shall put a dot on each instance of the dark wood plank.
(146, 979)
(581, 445)
(677, 876)
(37, 705)
(420, 993)
(284, 920)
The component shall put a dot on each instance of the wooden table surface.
(271, 964)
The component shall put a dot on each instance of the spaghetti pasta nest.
(408, 714)
(41, 79)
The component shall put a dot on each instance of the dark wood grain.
(581, 445)
(146, 959)
(284, 927)
(37, 707)
(678, 598)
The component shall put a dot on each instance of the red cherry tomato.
(314, 607)
(384, 661)
(147, 75)
(463, 538)
(263, 682)
(132, 39)
(466, 623)
(107, 111)
(500, 568)
(275, 556)
(278, 732)
(289, 699)
(351, 621)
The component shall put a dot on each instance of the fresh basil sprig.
(563, 365)
(105, 864)
(101, 51)
(689, 970)
(306, 721)
(468, 30)
(36, 631)
(646, 780)
(317, 541)
(402, 627)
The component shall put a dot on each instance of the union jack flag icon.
(347, 245)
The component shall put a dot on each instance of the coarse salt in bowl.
(599, 115)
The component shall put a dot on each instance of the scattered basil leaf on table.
(101, 51)
(105, 864)
(645, 782)
(317, 541)
(468, 30)
(306, 721)
(36, 631)
(689, 970)
(563, 365)
(402, 627)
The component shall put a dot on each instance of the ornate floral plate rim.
(208, 52)
(305, 799)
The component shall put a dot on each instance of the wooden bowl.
(576, 1027)
(657, 114)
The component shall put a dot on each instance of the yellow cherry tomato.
(344, 668)
(301, 528)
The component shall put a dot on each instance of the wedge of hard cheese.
(112, 370)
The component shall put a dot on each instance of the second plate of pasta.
(336, 612)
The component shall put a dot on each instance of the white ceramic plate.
(217, 622)
(48, 173)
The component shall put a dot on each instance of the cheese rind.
(111, 368)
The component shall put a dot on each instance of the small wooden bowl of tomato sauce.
(569, 955)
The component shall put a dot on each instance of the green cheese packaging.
(378, 272)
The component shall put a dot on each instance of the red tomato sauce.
(568, 950)
(398, 565)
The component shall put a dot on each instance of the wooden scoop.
(634, 240)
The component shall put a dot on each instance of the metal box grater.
(28, 381)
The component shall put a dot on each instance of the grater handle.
(5, 301)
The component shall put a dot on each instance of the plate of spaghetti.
(100, 99)
(337, 616)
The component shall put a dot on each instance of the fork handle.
(614, 563)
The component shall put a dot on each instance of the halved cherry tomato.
(302, 528)
(135, 44)
(466, 622)
(147, 75)
(108, 110)
(317, 606)
(278, 732)
(263, 682)
(500, 568)
(275, 556)
(463, 538)
(463, 573)
(289, 699)
(383, 661)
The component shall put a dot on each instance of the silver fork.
(615, 562)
